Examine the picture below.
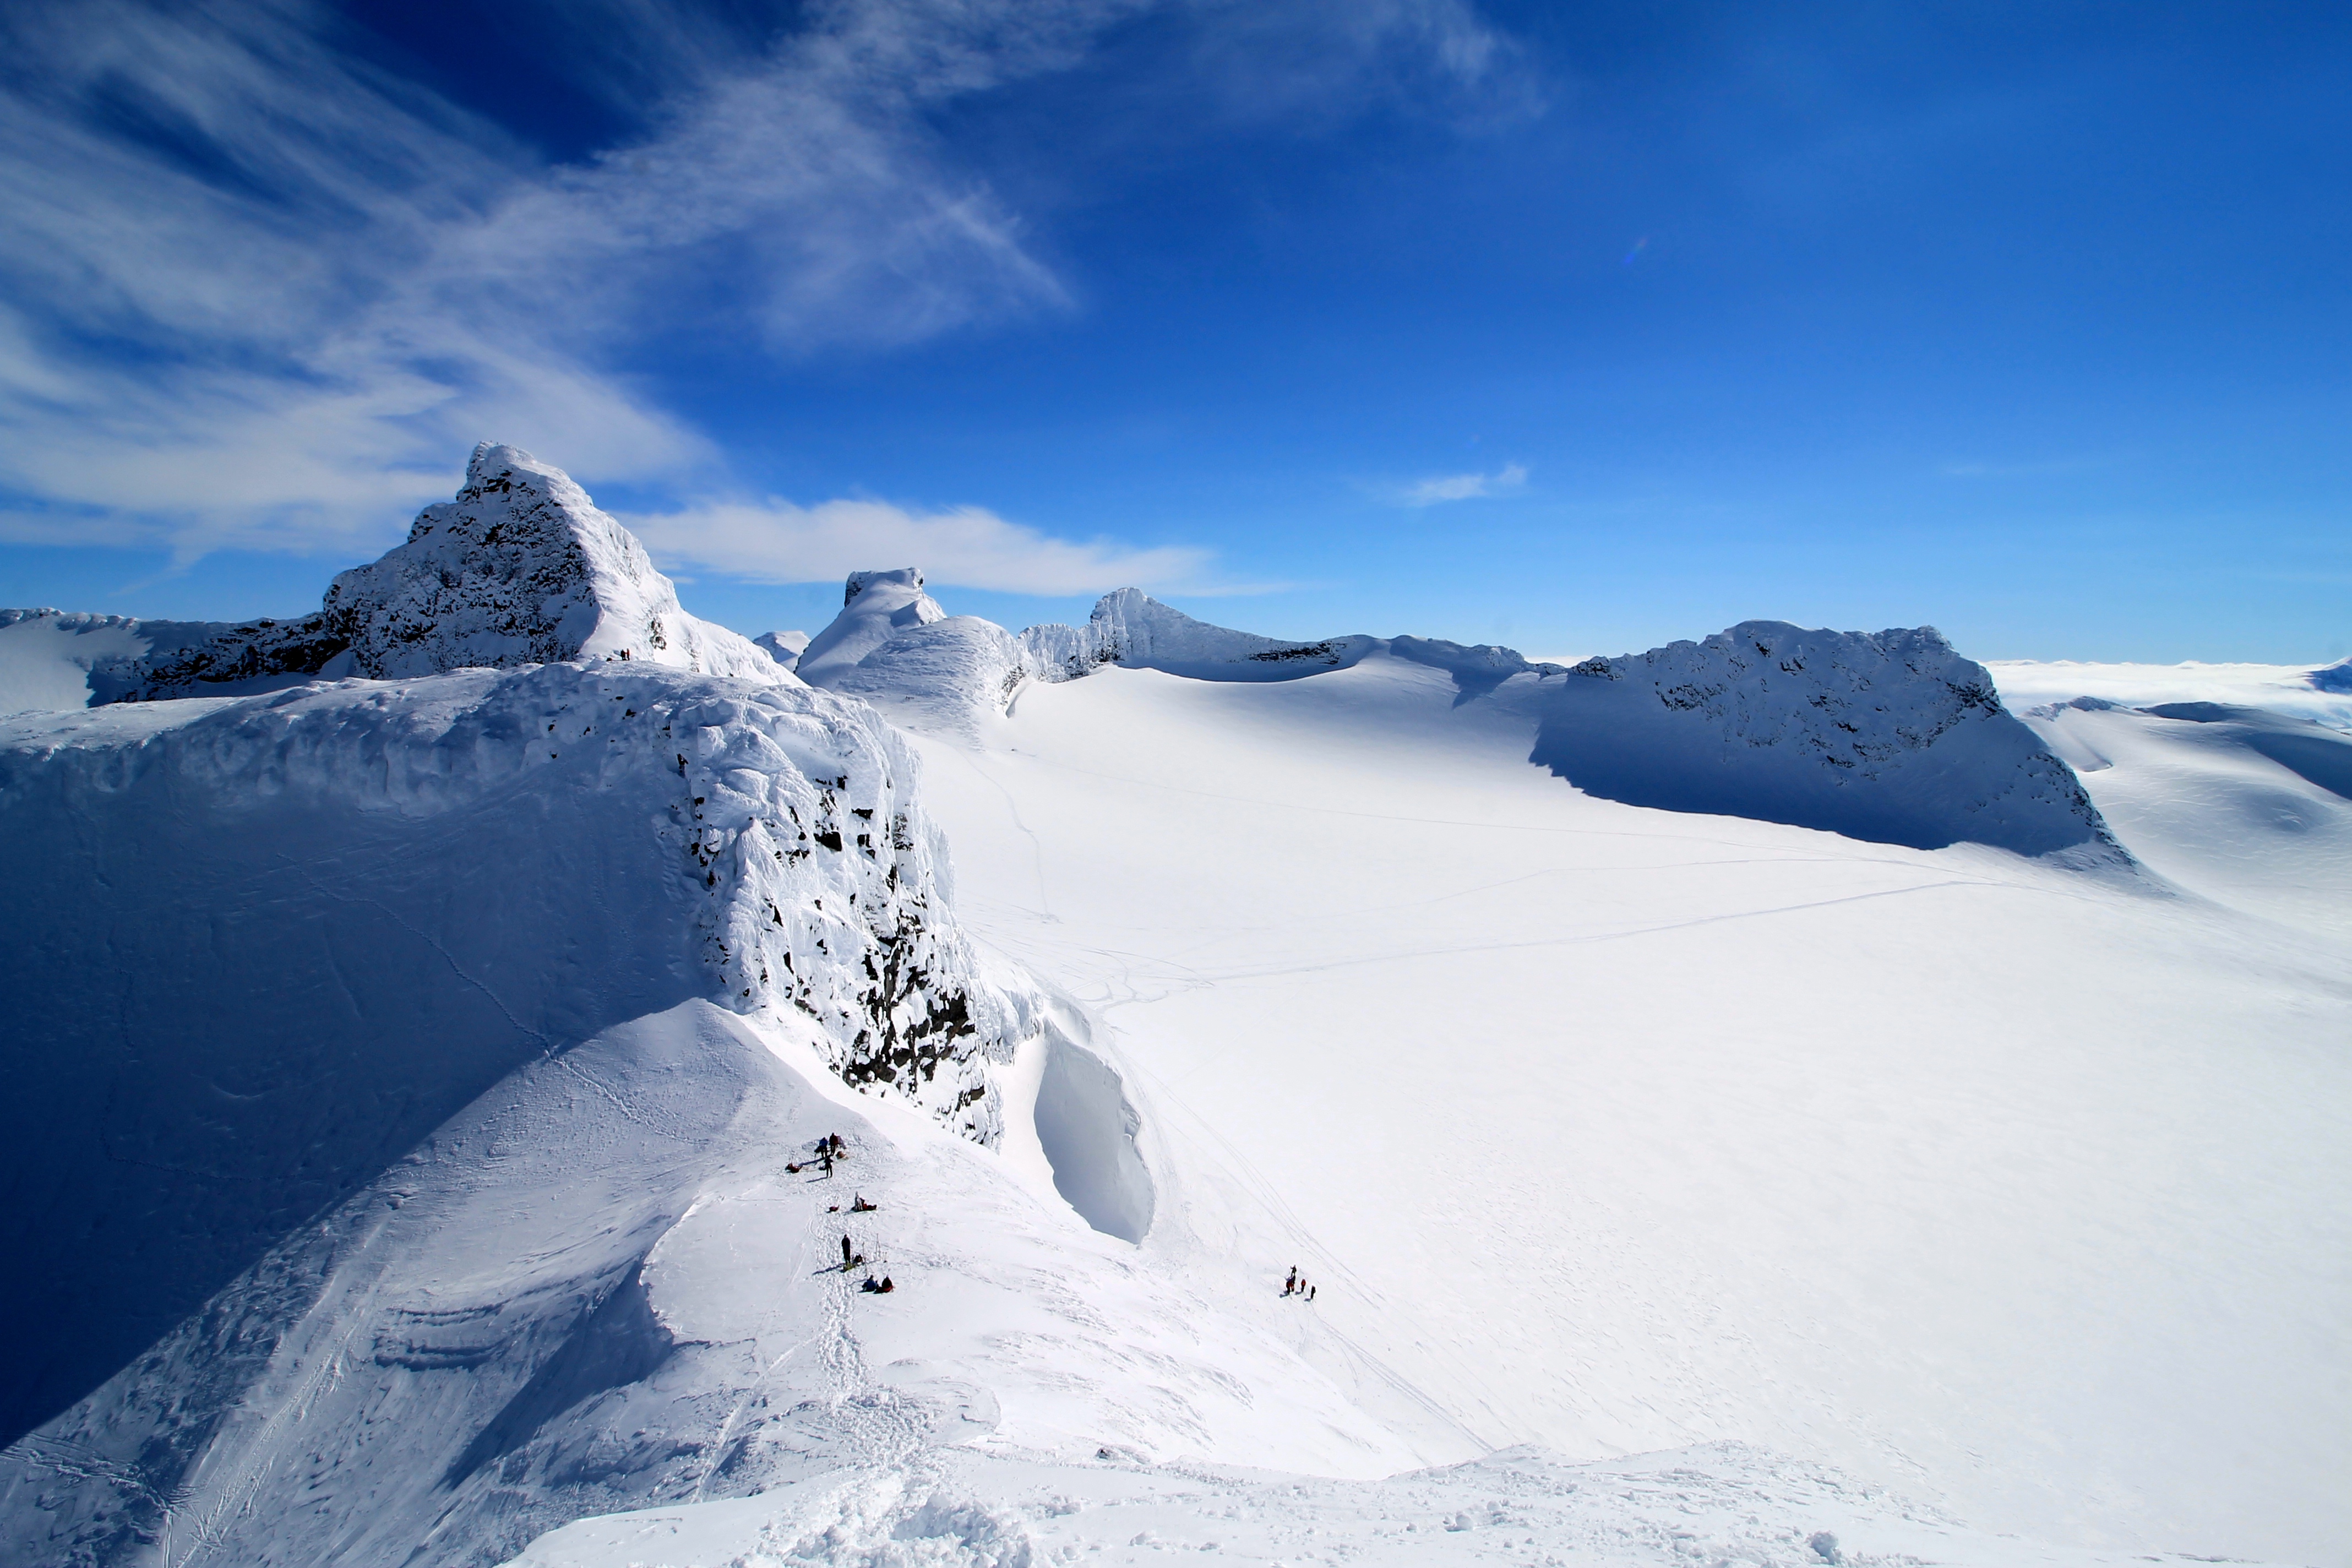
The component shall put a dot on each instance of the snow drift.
(1893, 737)
(283, 937)
(520, 568)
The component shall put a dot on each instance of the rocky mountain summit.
(520, 568)
(1890, 736)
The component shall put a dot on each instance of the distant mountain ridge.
(1890, 736)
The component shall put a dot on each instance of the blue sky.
(1581, 327)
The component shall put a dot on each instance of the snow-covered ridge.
(1130, 627)
(894, 642)
(284, 936)
(765, 803)
(1893, 737)
(520, 568)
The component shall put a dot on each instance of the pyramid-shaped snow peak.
(523, 568)
(520, 568)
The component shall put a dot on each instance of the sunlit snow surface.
(1678, 1189)
(2014, 1188)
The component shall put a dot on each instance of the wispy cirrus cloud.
(256, 291)
(778, 541)
(1439, 489)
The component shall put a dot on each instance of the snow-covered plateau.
(1789, 1099)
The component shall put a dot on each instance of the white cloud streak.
(1438, 489)
(256, 293)
(777, 541)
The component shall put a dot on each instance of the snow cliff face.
(1891, 737)
(520, 568)
(401, 892)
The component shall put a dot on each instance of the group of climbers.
(829, 1148)
(1296, 1286)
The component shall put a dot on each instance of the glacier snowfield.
(417, 1067)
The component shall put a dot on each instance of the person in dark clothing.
(1291, 1284)
(1310, 1292)
(845, 1250)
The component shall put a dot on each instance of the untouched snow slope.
(279, 939)
(520, 568)
(1893, 737)
(2238, 804)
(2014, 1187)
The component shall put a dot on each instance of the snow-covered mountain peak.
(520, 568)
(523, 568)
(1889, 736)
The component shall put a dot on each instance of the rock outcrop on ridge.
(1891, 737)
(520, 568)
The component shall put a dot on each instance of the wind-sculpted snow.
(876, 606)
(520, 568)
(946, 672)
(279, 938)
(1893, 737)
